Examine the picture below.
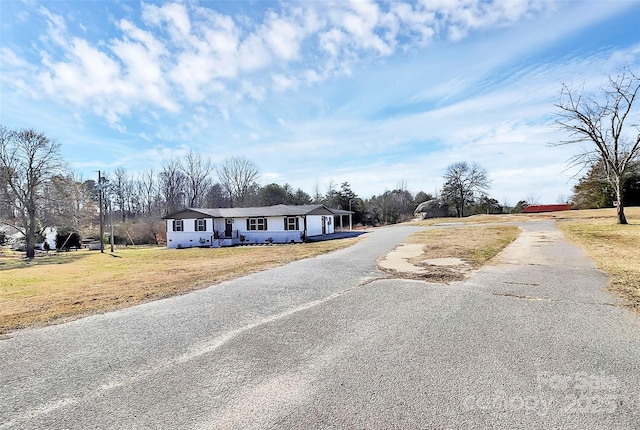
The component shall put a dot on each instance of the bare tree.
(533, 199)
(238, 176)
(463, 183)
(406, 200)
(198, 171)
(331, 197)
(28, 159)
(172, 185)
(7, 208)
(121, 186)
(610, 122)
(148, 190)
(317, 195)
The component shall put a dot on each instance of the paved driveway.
(330, 342)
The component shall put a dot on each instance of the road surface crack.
(523, 297)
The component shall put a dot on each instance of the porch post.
(350, 222)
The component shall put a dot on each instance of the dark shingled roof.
(264, 211)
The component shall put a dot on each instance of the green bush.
(67, 238)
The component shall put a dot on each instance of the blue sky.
(373, 93)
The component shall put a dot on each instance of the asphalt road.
(330, 342)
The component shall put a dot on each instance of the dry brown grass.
(70, 285)
(608, 214)
(473, 245)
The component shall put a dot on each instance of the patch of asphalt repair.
(398, 263)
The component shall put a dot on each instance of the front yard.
(62, 286)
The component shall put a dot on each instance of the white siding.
(314, 224)
(275, 232)
(189, 237)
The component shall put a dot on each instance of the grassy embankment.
(63, 286)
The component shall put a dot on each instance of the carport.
(339, 215)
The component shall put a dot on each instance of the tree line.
(37, 190)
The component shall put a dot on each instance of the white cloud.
(255, 92)
(355, 26)
(174, 14)
(86, 73)
(220, 38)
(363, 22)
(56, 28)
(283, 83)
(9, 59)
(459, 17)
(332, 41)
(253, 53)
(161, 154)
(144, 65)
(283, 36)
(188, 52)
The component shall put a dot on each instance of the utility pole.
(100, 204)
(350, 216)
(111, 224)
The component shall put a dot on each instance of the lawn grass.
(63, 286)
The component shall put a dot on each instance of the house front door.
(228, 228)
(324, 225)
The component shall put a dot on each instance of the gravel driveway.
(331, 342)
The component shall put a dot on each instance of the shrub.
(67, 238)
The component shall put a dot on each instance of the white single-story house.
(215, 228)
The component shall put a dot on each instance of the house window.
(201, 224)
(256, 224)
(291, 223)
(178, 225)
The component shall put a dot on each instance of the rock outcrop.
(435, 208)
